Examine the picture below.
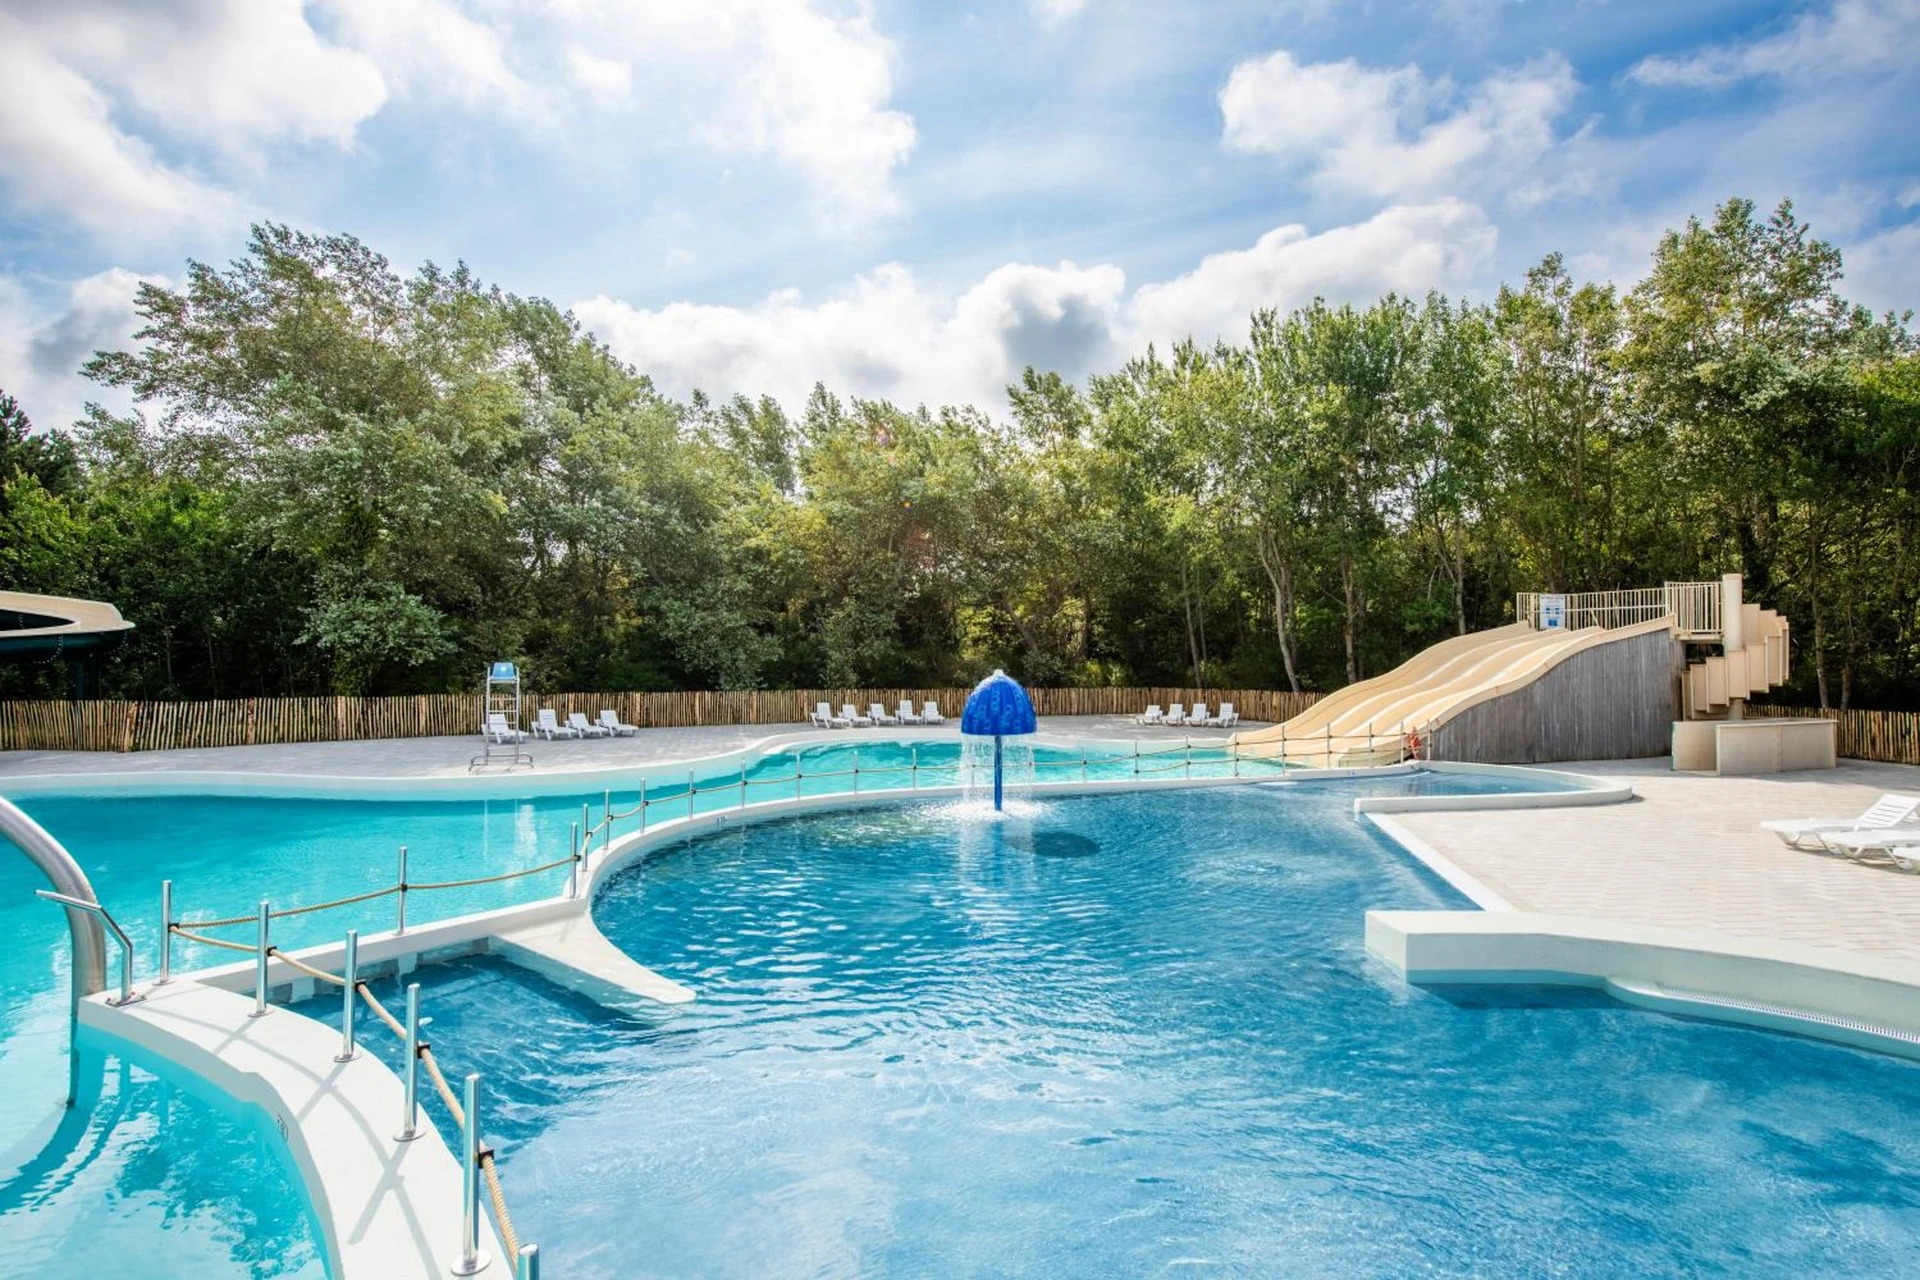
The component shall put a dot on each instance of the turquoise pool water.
(1139, 1035)
(227, 853)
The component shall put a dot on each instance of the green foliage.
(346, 480)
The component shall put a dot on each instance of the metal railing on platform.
(1693, 606)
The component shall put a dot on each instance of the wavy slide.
(1378, 721)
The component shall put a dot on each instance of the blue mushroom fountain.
(998, 708)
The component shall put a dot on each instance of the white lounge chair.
(906, 713)
(585, 728)
(546, 726)
(930, 713)
(1227, 715)
(822, 717)
(498, 730)
(1198, 715)
(853, 717)
(612, 723)
(1899, 845)
(1153, 714)
(1890, 810)
(879, 715)
(1176, 713)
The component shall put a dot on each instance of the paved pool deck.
(448, 757)
(1689, 854)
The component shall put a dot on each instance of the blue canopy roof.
(997, 707)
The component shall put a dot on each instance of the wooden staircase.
(1709, 686)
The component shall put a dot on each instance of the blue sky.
(913, 201)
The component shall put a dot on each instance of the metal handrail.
(127, 995)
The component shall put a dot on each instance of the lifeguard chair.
(500, 720)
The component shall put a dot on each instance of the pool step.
(574, 953)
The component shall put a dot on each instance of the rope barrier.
(211, 942)
(504, 875)
(306, 968)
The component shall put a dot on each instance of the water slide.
(1377, 721)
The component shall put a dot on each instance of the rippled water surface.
(1139, 1035)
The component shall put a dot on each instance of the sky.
(915, 201)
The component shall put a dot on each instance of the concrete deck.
(1689, 855)
(448, 757)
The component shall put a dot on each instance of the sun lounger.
(546, 726)
(498, 730)
(1153, 714)
(1227, 715)
(1890, 810)
(823, 717)
(853, 717)
(930, 713)
(585, 728)
(612, 723)
(905, 715)
(1198, 715)
(1176, 713)
(1899, 845)
(879, 715)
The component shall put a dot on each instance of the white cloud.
(1393, 133)
(1407, 249)
(886, 335)
(430, 47)
(806, 82)
(134, 120)
(608, 79)
(1883, 270)
(66, 157)
(1053, 11)
(41, 351)
(1852, 37)
(890, 335)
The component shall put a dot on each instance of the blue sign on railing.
(503, 671)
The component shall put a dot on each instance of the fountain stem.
(996, 771)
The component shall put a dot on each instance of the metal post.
(1189, 755)
(586, 845)
(350, 970)
(913, 767)
(471, 1259)
(529, 1264)
(743, 784)
(796, 775)
(166, 934)
(856, 771)
(260, 963)
(1083, 762)
(1329, 744)
(606, 814)
(410, 1118)
(1136, 757)
(400, 925)
(573, 866)
(643, 802)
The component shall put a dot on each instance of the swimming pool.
(227, 852)
(1133, 1034)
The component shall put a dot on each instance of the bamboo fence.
(109, 725)
(1892, 737)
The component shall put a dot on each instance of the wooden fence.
(153, 726)
(1889, 736)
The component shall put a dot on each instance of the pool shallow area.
(1133, 1034)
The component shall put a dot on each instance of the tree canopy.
(340, 479)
